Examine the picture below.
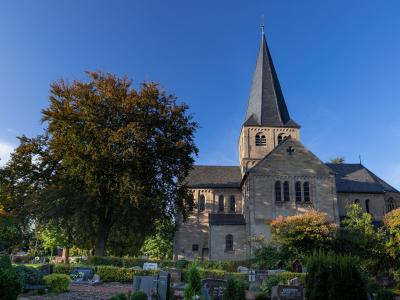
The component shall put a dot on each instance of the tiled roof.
(214, 177)
(226, 219)
(355, 178)
(266, 104)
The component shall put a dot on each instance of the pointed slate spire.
(266, 106)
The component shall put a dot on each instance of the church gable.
(291, 158)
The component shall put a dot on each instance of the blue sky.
(337, 60)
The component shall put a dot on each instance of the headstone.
(176, 274)
(280, 265)
(252, 276)
(150, 266)
(297, 267)
(82, 275)
(241, 269)
(294, 282)
(46, 269)
(287, 292)
(213, 288)
(163, 282)
(145, 284)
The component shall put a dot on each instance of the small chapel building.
(276, 176)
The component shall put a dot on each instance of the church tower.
(267, 121)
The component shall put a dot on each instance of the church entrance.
(204, 254)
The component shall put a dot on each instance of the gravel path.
(84, 292)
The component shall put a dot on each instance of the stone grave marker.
(163, 282)
(150, 266)
(213, 289)
(287, 292)
(82, 275)
(297, 267)
(146, 284)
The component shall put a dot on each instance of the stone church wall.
(217, 242)
(376, 203)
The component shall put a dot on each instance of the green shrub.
(268, 283)
(262, 296)
(286, 276)
(58, 283)
(29, 275)
(115, 274)
(234, 289)
(119, 297)
(384, 295)
(5, 262)
(139, 295)
(333, 276)
(63, 268)
(10, 284)
(194, 282)
(181, 264)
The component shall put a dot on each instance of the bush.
(10, 284)
(384, 295)
(268, 283)
(286, 276)
(58, 283)
(181, 264)
(194, 282)
(234, 289)
(139, 295)
(5, 262)
(115, 274)
(64, 268)
(333, 277)
(262, 296)
(29, 275)
(119, 297)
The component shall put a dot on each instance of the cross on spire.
(290, 150)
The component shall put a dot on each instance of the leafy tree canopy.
(337, 160)
(111, 158)
(305, 232)
(392, 223)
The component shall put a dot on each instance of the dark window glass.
(278, 191)
(202, 203)
(229, 242)
(357, 201)
(281, 138)
(286, 191)
(260, 140)
(390, 204)
(195, 247)
(232, 204)
(221, 203)
(298, 191)
(306, 191)
(367, 205)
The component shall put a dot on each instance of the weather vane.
(262, 24)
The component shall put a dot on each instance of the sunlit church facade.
(276, 176)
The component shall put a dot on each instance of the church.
(276, 176)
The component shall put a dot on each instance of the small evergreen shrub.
(234, 289)
(194, 282)
(5, 262)
(384, 295)
(10, 284)
(119, 297)
(29, 275)
(268, 283)
(181, 264)
(333, 276)
(262, 296)
(64, 268)
(58, 283)
(139, 295)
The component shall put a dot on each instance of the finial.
(359, 157)
(262, 24)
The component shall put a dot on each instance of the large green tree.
(111, 159)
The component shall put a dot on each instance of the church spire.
(266, 105)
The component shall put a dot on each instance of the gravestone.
(241, 269)
(46, 269)
(82, 275)
(150, 266)
(287, 292)
(297, 267)
(252, 276)
(163, 282)
(213, 289)
(146, 284)
(176, 274)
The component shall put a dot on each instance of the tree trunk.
(65, 255)
(101, 240)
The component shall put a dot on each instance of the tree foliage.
(305, 232)
(160, 244)
(111, 158)
(194, 282)
(337, 160)
(392, 223)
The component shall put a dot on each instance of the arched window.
(229, 242)
(278, 191)
(281, 138)
(202, 203)
(286, 192)
(390, 204)
(367, 206)
(357, 201)
(260, 140)
(221, 203)
(298, 191)
(232, 204)
(306, 192)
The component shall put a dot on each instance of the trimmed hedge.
(10, 283)
(286, 276)
(29, 275)
(106, 273)
(58, 283)
(218, 274)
